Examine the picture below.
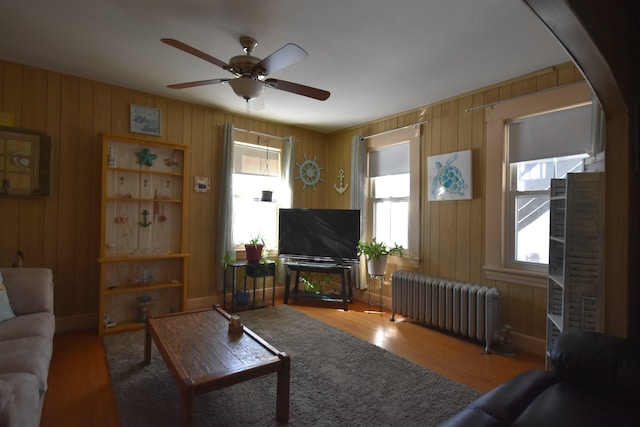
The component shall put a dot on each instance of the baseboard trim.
(528, 344)
(521, 342)
(203, 302)
(89, 321)
(362, 295)
(80, 322)
(210, 301)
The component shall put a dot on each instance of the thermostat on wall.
(201, 184)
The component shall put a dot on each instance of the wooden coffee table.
(202, 356)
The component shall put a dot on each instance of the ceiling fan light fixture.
(247, 88)
(251, 72)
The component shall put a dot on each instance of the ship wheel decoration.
(309, 173)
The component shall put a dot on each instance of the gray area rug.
(336, 380)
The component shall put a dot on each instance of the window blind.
(251, 159)
(391, 160)
(556, 134)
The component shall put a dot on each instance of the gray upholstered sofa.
(26, 345)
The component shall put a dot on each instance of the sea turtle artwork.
(448, 180)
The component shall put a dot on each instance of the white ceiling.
(376, 57)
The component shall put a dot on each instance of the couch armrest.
(30, 290)
(600, 363)
(504, 404)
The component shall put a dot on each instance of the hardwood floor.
(80, 390)
(453, 357)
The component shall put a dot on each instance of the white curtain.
(226, 249)
(359, 179)
(285, 198)
(359, 199)
(285, 194)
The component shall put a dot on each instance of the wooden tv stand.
(344, 270)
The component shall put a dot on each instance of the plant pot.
(267, 196)
(254, 253)
(242, 297)
(377, 267)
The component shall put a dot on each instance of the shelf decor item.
(146, 157)
(142, 305)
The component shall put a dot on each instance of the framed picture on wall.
(145, 120)
(450, 176)
(25, 163)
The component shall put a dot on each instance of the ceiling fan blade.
(198, 83)
(193, 51)
(299, 89)
(287, 55)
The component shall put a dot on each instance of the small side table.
(262, 269)
(344, 270)
(376, 303)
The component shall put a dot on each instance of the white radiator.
(461, 308)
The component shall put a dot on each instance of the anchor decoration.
(342, 187)
(145, 218)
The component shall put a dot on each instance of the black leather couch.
(595, 381)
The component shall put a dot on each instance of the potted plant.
(314, 284)
(376, 253)
(254, 249)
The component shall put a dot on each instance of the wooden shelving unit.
(142, 239)
(575, 293)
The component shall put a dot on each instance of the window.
(390, 196)
(529, 141)
(256, 169)
(394, 189)
(529, 206)
(540, 147)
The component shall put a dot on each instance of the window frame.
(412, 136)
(497, 170)
(510, 224)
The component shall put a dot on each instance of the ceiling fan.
(251, 72)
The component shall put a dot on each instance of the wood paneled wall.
(61, 231)
(453, 235)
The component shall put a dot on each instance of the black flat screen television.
(319, 234)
